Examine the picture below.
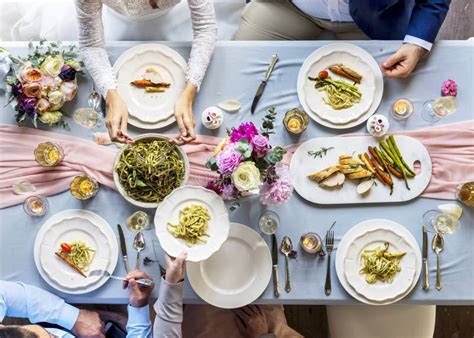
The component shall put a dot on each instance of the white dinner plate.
(168, 212)
(370, 240)
(68, 226)
(363, 57)
(314, 97)
(237, 274)
(362, 228)
(150, 110)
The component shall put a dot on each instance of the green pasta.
(81, 254)
(380, 265)
(192, 225)
(150, 169)
(341, 95)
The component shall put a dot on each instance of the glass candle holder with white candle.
(36, 205)
(311, 242)
(402, 109)
(84, 187)
(48, 154)
(296, 121)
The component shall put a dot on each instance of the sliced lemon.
(452, 209)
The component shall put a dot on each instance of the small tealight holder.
(36, 206)
(311, 243)
(402, 109)
(377, 125)
(84, 187)
(212, 117)
(296, 121)
(48, 154)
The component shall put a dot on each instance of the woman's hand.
(117, 117)
(175, 268)
(139, 294)
(405, 59)
(183, 111)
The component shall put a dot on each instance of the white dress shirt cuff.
(138, 315)
(417, 41)
(68, 316)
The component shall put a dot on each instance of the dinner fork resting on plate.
(329, 247)
(103, 273)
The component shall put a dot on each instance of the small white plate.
(168, 212)
(314, 97)
(111, 242)
(353, 50)
(379, 291)
(362, 228)
(237, 274)
(150, 109)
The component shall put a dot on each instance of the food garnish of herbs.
(77, 255)
(380, 265)
(319, 153)
(150, 170)
(381, 163)
(192, 225)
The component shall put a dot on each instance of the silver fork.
(329, 247)
(103, 273)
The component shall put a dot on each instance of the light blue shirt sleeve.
(139, 323)
(27, 301)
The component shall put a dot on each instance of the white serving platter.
(302, 165)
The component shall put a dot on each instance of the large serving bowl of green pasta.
(149, 169)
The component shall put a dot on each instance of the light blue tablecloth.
(235, 72)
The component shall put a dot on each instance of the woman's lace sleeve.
(91, 43)
(205, 35)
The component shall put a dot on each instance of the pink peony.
(245, 130)
(279, 191)
(228, 159)
(449, 88)
(260, 145)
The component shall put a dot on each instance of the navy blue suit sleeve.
(427, 17)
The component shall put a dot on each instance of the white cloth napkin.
(5, 65)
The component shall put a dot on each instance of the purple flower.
(245, 130)
(67, 73)
(27, 105)
(278, 191)
(229, 192)
(261, 145)
(228, 159)
(214, 186)
(449, 88)
(17, 89)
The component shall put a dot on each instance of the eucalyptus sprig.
(267, 122)
(319, 153)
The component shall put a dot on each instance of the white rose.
(56, 99)
(246, 176)
(50, 117)
(52, 65)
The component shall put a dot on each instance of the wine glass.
(435, 110)
(442, 222)
(269, 222)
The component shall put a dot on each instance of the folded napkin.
(451, 147)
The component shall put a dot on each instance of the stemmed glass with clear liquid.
(269, 222)
(442, 222)
(441, 107)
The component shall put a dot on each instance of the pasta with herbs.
(150, 169)
(380, 265)
(340, 94)
(192, 224)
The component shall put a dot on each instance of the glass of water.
(138, 221)
(435, 110)
(442, 222)
(269, 222)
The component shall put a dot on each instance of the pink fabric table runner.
(451, 147)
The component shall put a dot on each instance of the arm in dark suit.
(426, 18)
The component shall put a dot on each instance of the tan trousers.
(281, 20)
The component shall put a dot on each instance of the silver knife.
(260, 89)
(426, 277)
(123, 247)
(276, 281)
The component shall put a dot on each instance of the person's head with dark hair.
(25, 331)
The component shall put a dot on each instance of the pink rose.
(69, 89)
(42, 105)
(30, 74)
(260, 145)
(32, 89)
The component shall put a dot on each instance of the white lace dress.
(91, 35)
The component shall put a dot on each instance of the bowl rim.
(121, 190)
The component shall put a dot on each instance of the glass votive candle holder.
(402, 109)
(84, 187)
(36, 205)
(48, 154)
(296, 121)
(311, 243)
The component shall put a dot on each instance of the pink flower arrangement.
(247, 163)
(43, 82)
(449, 88)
